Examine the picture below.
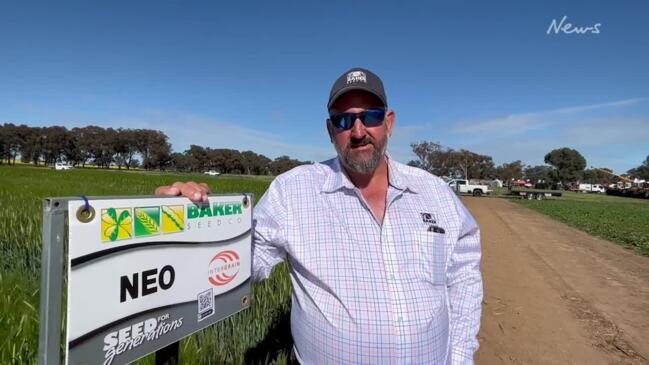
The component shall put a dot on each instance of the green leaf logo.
(116, 224)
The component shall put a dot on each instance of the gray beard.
(362, 167)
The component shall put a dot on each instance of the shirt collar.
(337, 178)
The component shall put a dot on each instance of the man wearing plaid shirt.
(384, 258)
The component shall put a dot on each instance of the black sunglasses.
(369, 118)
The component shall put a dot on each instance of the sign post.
(49, 342)
(142, 273)
(168, 355)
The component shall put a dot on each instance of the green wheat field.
(618, 219)
(258, 335)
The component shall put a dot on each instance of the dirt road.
(555, 295)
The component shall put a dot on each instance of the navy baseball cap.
(357, 79)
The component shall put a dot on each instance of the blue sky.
(256, 75)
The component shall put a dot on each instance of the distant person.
(384, 258)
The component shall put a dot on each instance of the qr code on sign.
(205, 304)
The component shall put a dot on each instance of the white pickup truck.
(62, 166)
(464, 187)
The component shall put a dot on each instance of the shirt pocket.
(432, 256)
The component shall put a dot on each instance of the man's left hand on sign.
(196, 192)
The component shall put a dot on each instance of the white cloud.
(184, 129)
(510, 124)
(620, 103)
(605, 133)
(525, 122)
(619, 143)
(608, 131)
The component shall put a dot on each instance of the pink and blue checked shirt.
(404, 292)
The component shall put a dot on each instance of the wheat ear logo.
(173, 218)
(116, 224)
(147, 221)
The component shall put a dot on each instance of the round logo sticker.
(223, 267)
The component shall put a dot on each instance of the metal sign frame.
(53, 263)
(49, 341)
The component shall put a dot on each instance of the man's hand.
(196, 192)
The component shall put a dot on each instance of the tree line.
(126, 148)
(563, 166)
(150, 149)
(198, 158)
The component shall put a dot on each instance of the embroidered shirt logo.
(356, 76)
(428, 218)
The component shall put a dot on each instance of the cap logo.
(356, 76)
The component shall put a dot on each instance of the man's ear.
(389, 120)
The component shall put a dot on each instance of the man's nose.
(358, 129)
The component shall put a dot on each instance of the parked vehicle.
(628, 188)
(522, 183)
(591, 188)
(534, 194)
(464, 187)
(212, 173)
(601, 189)
(62, 166)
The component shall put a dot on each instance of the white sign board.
(146, 272)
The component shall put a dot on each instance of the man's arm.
(269, 236)
(269, 223)
(465, 290)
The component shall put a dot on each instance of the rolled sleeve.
(269, 236)
(465, 290)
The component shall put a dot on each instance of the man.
(384, 258)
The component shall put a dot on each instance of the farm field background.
(258, 335)
(617, 219)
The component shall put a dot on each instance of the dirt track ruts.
(556, 295)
